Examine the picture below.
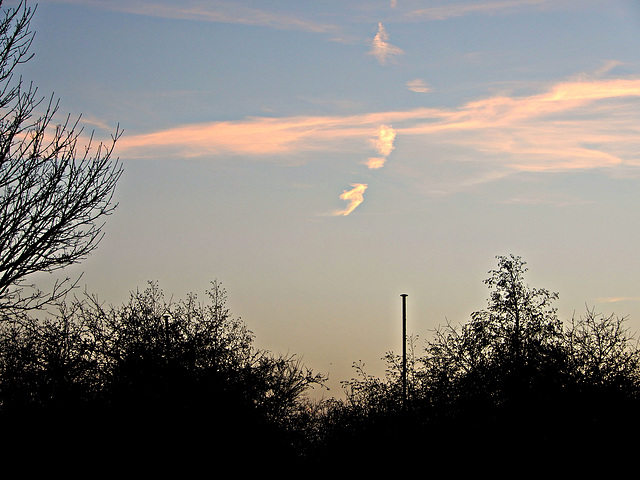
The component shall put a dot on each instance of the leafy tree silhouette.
(180, 384)
(151, 377)
(513, 383)
(520, 378)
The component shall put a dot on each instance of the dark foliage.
(513, 384)
(150, 377)
(180, 385)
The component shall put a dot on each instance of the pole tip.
(403, 295)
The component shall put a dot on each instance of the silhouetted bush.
(181, 384)
(150, 377)
(513, 382)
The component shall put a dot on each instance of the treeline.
(514, 383)
(182, 383)
(150, 376)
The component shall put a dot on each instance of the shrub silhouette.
(513, 382)
(150, 377)
(180, 384)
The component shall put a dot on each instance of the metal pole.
(404, 349)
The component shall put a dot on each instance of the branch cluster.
(54, 195)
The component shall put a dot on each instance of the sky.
(321, 158)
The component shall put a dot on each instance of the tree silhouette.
(53, 196)
(152, 376)
(162, 383)
(514, 343)
(521, 379)
(602, 351)
(514, 384)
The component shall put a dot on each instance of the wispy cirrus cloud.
(572, 125)
(617, 299)
(381, 48)
(218, 11)
(460, 9)
(252, 137)
(418, 85)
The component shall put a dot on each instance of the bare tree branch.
(53, 195)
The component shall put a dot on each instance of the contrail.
(353, 196)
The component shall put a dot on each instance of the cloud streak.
(215, 12)
(252, 137)
(617, 299)
(444, 12)
(571, 125)
(355, 197)
(418, 85)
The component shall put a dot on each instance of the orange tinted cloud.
(573, 124)
(251, 137)
(215, 12)
(462, 9)
(354, 197)
(617, 299)
(418, 85)
(375, 162)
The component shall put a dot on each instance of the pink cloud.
(573, 124)
(461, 9)
(418, 85)
(375, 162)
(216, 12)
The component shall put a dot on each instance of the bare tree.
(602, 351)
(53, 195)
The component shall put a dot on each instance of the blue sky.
(322, 157)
